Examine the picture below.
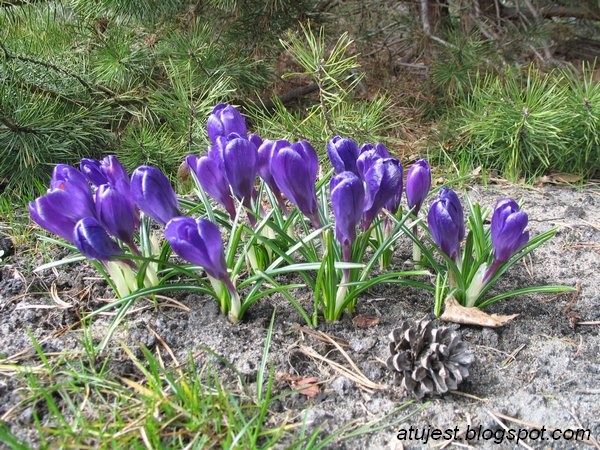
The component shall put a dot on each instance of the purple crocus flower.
(348, 199)
(199, 242)
(294, 169)
(383, 181)
(211, 175)
(68, 200)
(153, 194)
(342, 153)
(507, 229)
(117, 213)
(93, 241)
(418, 183)
(239, 161)
(224, 120)
(446, 222)
(265, 154)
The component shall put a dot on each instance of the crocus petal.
(342, 153)
(503, 209)
(93, 241)
(365, 161)
(239, 158)
(71, 180)
(68, 200)
(418, 183)
(153, 194)
(508, 230)
(116, 174)
(64, 173)
(446, 222)
(210, 174)
(211, 236)
(294, 169)
(347, 198)
(91, 169)
(116, 213)
(379, 148)
(265, 154)
(383, 185)
(199, 242)
(255, 139)
(224, 120)
(455, 210)
(443, 228)
(48, 214)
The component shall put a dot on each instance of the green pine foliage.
(337, 110)
(523, 125)
(85, 78)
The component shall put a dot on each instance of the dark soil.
(542, 369)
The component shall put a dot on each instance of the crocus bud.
(239, 160)
(383, 184)
(265, 154)
(446, 222)
(507, 229)
(93, 241)
(342, 153)
(347, 198)
(418, 183)
(199, 242)
(153, 194)
(116, 213)
(294, 169)
(224, 120)
(211, 175)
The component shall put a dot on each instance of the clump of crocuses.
(106, 214)
(472, 267)
(97, 209)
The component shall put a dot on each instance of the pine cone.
(428, 360)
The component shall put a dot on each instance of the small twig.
(513, 356)
(359, 378)
(319, 335)
(579, 424)
(471, 396)
(499, 422)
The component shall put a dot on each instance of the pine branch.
(90, 87)
(11, 3)
(12, 125)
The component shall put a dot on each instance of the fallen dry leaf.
(455, 312)
(559, 178)
(308, 385)
(363, 321)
